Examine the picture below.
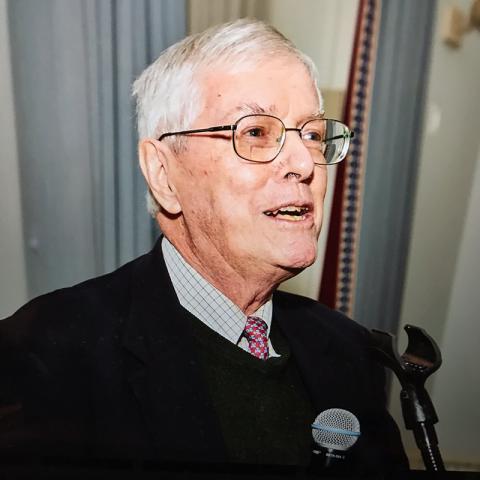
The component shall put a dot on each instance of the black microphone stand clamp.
(421, 358)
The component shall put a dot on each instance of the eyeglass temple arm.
(351, 134)
(199, 130)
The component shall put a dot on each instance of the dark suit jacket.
(109, 368)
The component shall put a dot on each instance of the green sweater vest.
(264, 412)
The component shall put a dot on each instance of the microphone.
(334, 432)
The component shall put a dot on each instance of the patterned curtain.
(373, 202)
(338, 279)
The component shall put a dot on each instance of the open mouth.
(290, 212)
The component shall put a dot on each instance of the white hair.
(167, 93)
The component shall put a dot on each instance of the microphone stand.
(421, 358)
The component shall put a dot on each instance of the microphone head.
(336, 429)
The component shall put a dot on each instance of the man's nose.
(296, 160)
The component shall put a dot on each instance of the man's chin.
(295, 264)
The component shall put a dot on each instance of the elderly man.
(189, 353)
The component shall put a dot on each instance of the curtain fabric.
(82, 191)
(398, 105)
(368, 244)
(339, 274)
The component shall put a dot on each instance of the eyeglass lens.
(260, 138)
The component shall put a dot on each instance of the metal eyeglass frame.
(347, 136)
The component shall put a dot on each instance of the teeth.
(290, 212)
(291, 208)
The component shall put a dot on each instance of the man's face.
(225, 199)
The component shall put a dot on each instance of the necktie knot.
(256, 333)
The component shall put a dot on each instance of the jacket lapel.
(164, 369)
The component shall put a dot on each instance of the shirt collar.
(206, 302)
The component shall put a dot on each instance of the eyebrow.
(316, 115)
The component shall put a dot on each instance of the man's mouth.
(290, 212)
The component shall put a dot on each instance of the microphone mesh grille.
(336, 419)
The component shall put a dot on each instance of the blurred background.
(401, 236)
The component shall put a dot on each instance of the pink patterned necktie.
(256, 333)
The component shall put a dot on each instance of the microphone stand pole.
(421, 358)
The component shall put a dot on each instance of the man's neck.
(249, 291)
(249, 294)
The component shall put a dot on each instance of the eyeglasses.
(260, 138)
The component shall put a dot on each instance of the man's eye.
(255, 132)
(313, 136)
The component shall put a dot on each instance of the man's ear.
(154, 157)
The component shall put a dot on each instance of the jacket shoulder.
(69, 313)
(58, 333)
(319, 316)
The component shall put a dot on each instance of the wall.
(456, 391)
(324, 30)
(443, 274)
(12, 263)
